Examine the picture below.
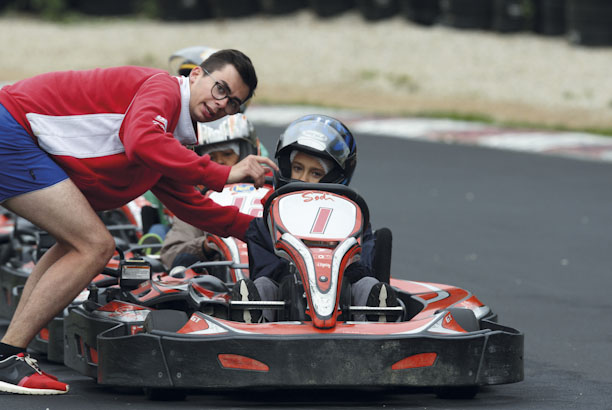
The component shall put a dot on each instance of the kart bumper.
(80, 336)
(12, 281)
(50, 340)
(493, 355)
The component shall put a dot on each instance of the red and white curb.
(577, 145)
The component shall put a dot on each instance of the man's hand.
(252, 168)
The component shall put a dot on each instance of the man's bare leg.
(48, 259)
(83, 247)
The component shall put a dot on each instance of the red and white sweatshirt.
(119, 132)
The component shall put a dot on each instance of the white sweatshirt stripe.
(79, 136)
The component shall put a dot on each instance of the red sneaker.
(20, 374)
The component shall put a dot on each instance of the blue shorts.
(24, 167)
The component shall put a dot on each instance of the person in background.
(234, 139)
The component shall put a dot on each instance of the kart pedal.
(382, 296)
(244, 290)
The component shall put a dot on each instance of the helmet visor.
(317, 137)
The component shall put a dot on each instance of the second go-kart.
(128, 302)
(445, 338)
(21, 246)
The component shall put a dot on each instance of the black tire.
(465, 318)
(457, 392)
(423, 12)
(233, 8)
(183, 10)
(165, 320)
(330, 8)
(466, 14)
(373, 10)
(278, 7)
(511, 16)
(588, 22)
(105, 7)
(159, 394)
(549, 17)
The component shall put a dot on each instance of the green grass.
(398, 81)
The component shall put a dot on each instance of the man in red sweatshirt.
(76, 142)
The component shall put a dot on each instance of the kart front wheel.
(161, 394)
(457, 392)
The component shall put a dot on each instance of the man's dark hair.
(241, 63)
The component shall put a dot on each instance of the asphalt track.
(529, 234)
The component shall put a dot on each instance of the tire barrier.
(104, 7)
(582, 22)
(183, 10)
(466, 14)
(510, 16)
(423, 12)
(373, 10)
(549, 17)
(330, 8)
(278, 7)
(233, 8)
(589, 22)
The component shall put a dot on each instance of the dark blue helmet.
(323, 137)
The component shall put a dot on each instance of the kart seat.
(212, 283)
(165, 320)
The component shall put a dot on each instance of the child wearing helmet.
(184, 60)
(232, 139)
(314, 148)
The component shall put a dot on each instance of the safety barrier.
(583, 22)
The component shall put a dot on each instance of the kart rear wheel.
(160, 394)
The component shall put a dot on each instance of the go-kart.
(247, 199)
(445, 338)
(21, 245)
(202, 287)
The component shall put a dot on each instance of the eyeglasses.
(219, 91)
